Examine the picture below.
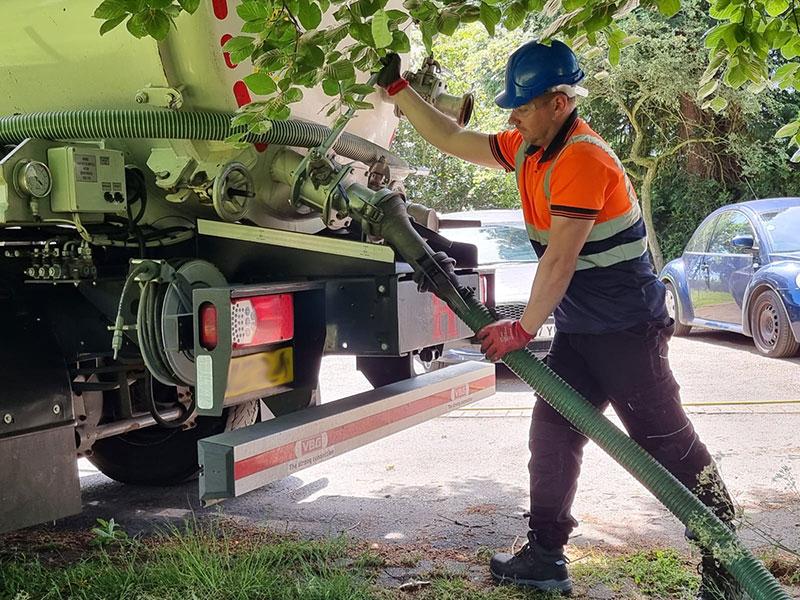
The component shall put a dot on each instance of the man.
(594, 273)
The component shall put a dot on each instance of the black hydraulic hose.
(169, 124)
(711, 533)
(151, 404)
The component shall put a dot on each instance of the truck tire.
(772, 332)
(158, 456)
(675, 311)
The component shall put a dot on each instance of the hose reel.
(164, 316)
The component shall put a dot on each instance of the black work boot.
(716, 583)
(533, 566)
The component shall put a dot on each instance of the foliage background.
(744, 160)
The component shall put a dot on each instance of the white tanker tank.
(54, 59)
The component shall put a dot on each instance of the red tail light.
(262, 320)
(209, 336)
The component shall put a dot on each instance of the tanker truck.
(166, 297)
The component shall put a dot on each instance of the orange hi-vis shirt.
(585, 181)
(579, 177)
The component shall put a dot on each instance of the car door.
(728, 269)
(694, 262)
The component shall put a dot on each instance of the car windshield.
(496, 244)
(783, 226)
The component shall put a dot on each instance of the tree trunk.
(646, 193)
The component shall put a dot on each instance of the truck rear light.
(209, 336)
(260, 320)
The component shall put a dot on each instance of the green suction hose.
(716, 536)
(167, 124)
(712, 533)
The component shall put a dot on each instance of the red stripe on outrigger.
(282, 454)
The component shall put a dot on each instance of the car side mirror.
(744, 241)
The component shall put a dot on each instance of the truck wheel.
(158, 456)
(771, 330)
(675, 311)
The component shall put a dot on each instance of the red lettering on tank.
(443, 312)
(220, 9)
(224, 40)
(241, 93)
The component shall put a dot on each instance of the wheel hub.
(768, 324)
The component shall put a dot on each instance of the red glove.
(504, 336)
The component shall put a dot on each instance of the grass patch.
(654, 573)
(226, 562)
(195, 563)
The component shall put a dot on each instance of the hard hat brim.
(508, 101)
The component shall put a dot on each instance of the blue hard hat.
(534, 68)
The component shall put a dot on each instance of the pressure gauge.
(32, 178)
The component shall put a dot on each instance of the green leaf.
(260, 83)
(244, 119)
(668, 7)
(784, 72)
(796, 156)
(190, 6)
(252, 11)
(341, 70)
(490, 16)
(157, 24)
(111, 9)
(261, 127)
(330, 87)
(294, 94)
(613, 54)
(360, 89)
(253, 26)
(310, 14)
(735, 76)
(159, 4)
(111, 24)
(515, 16)
(239, 42)
(788, 130)
(706, 90)
(428, 29)
(776, 7)
(469, 14)
(718, 104)
(447, 22)
(397, 16)
(400, 42)
(136, 25)
(380, 29)
(314, 56)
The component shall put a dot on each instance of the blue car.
(741, 272)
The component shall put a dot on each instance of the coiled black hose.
(168, 124)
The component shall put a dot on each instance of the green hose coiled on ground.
(163, 124)
(713, 533)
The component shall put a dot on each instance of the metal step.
(236, 462)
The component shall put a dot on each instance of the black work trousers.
(628, 369)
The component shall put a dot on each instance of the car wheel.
(770, 327)
(675, 311)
